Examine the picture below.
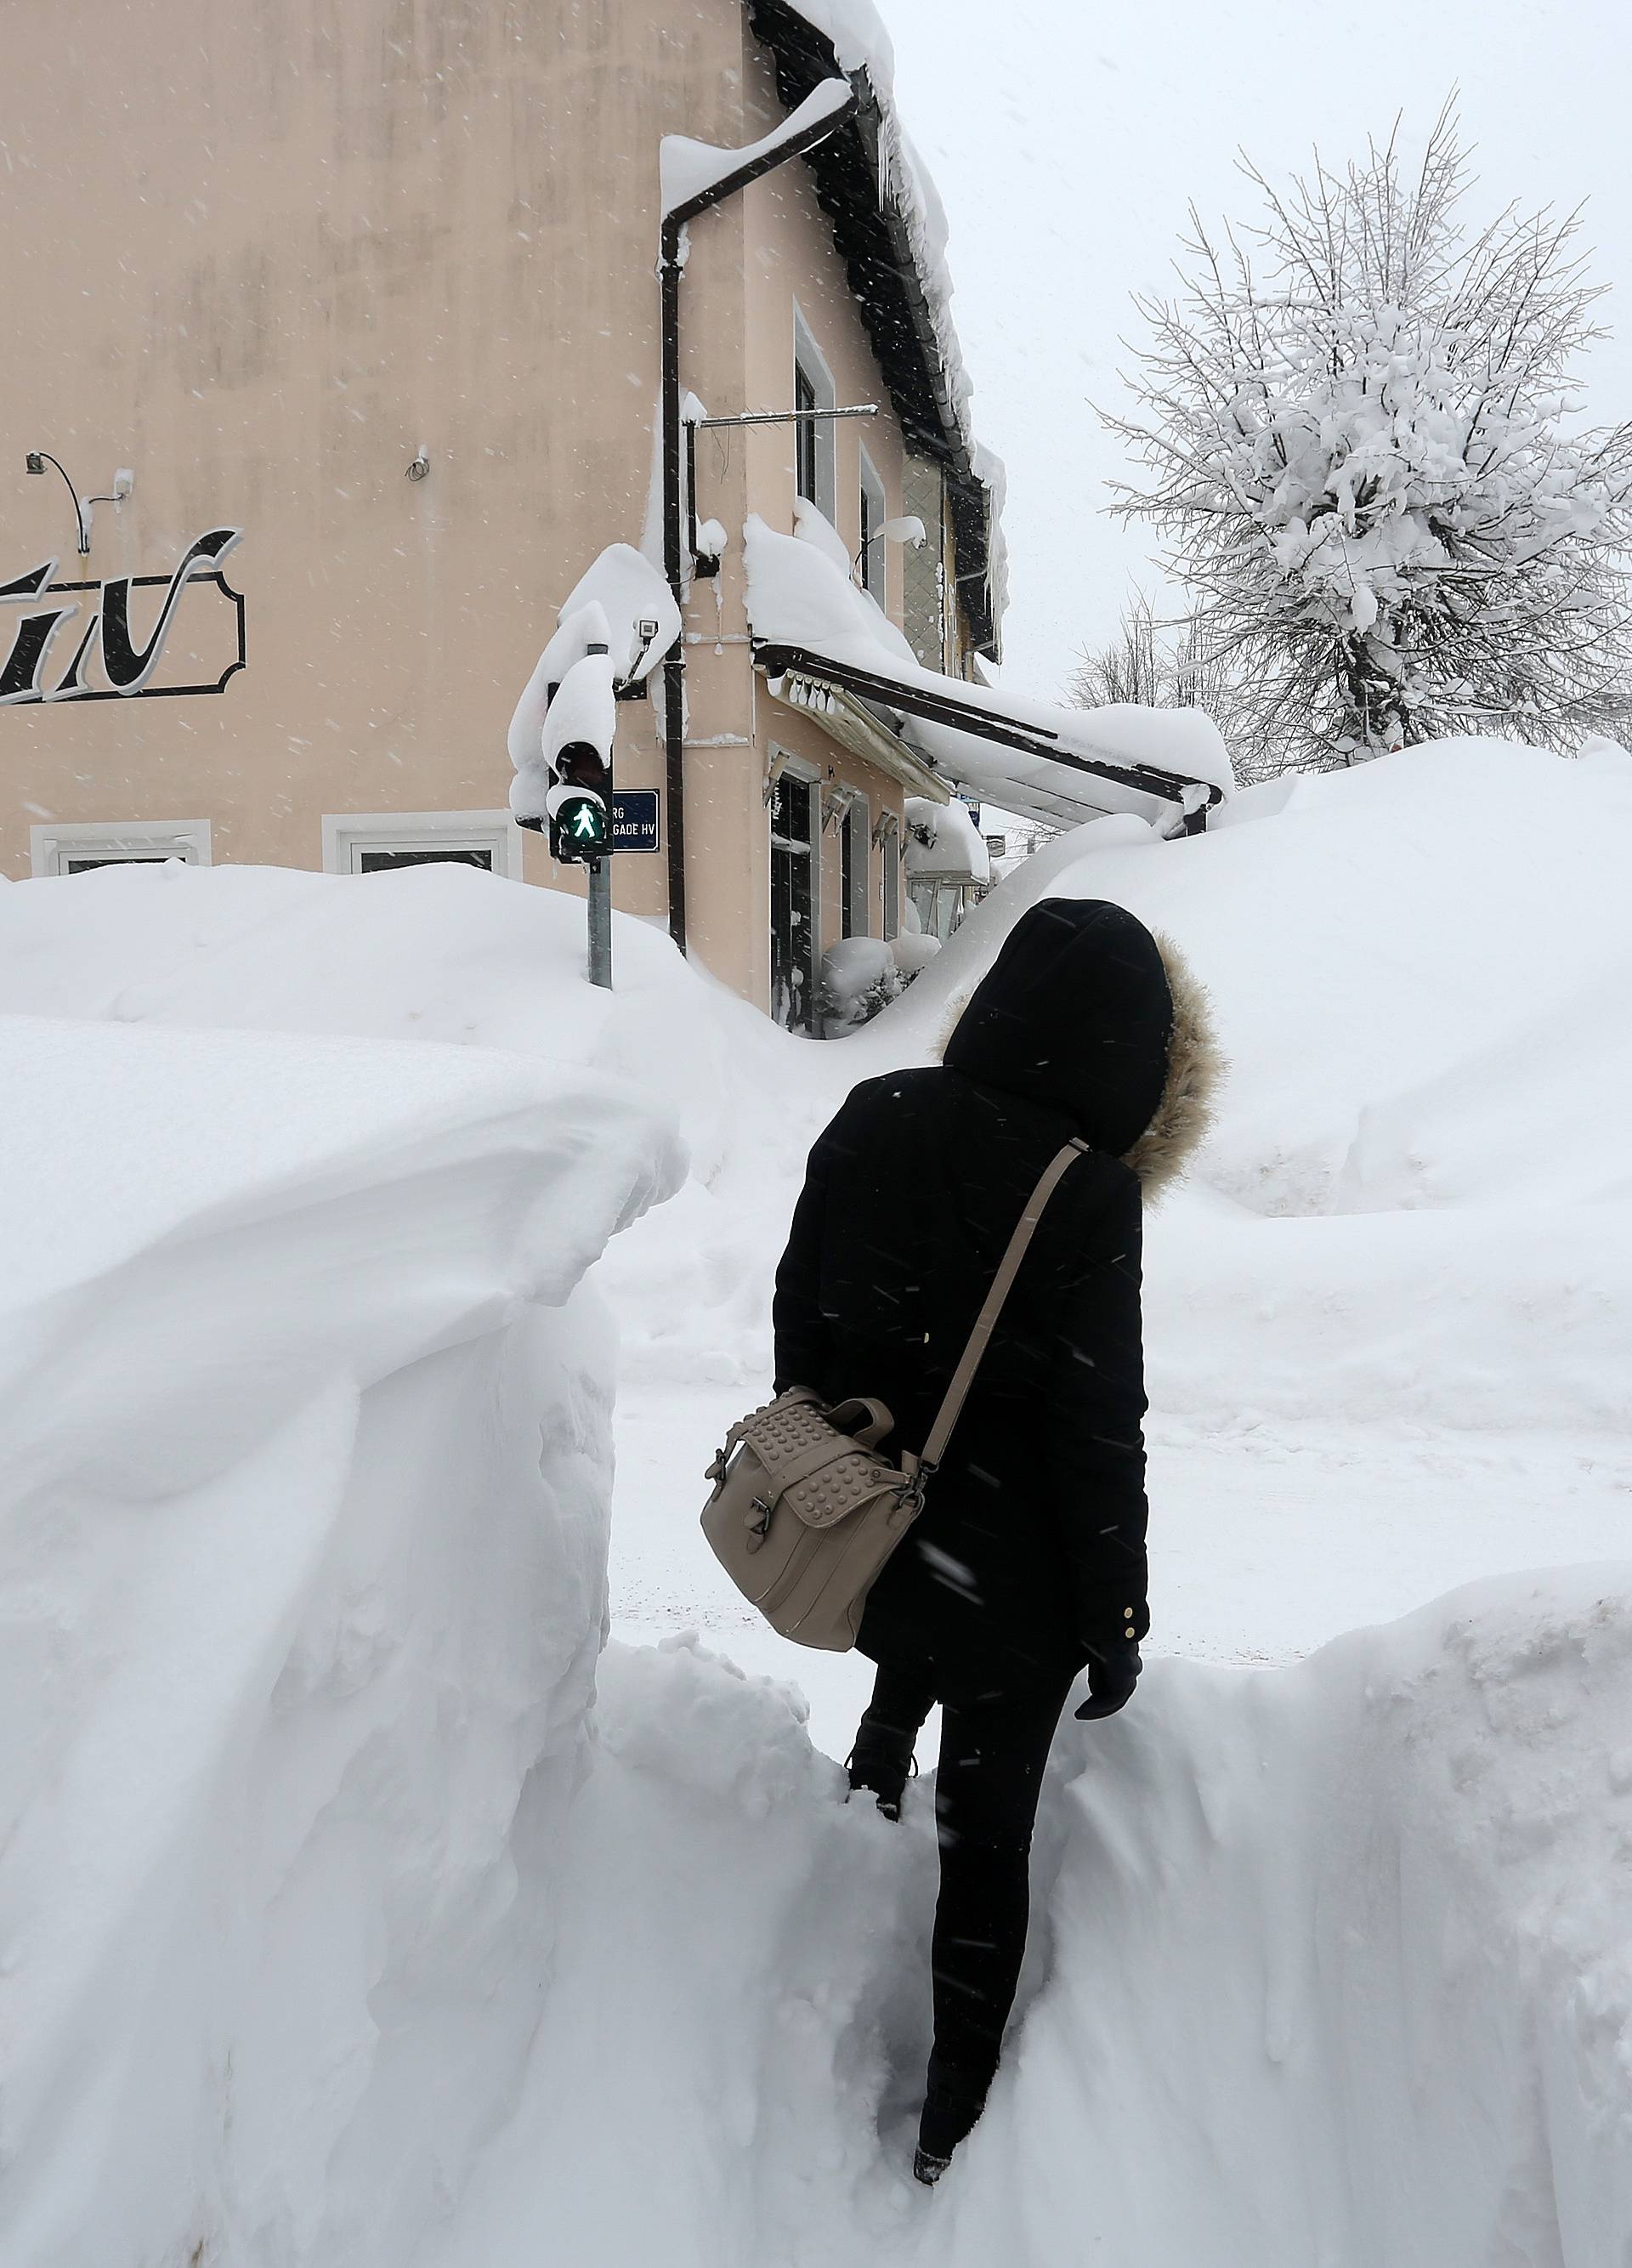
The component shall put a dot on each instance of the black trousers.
(994, 1746)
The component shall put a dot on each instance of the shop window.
(79, 848)
(378, 842)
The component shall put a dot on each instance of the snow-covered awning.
(812, 625)
(847, 719)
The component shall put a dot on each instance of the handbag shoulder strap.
(919, 1468)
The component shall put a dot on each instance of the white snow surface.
(800, 594)
(1329, 1960)
(687, 169)
(955, 844)
(306, 1461)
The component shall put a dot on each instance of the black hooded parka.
(1030, 1557)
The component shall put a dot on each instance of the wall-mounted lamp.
(124, 480)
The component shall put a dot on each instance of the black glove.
(1113, 1673)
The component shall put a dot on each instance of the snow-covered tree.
(1358, 438)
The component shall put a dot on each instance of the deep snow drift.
(304, 1471)
(1330, 1963)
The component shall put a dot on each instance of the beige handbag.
(805, 1511)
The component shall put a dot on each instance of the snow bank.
(446, 954)
(307, 1463)
(1410, 962)
(1364, 1919)
(1328, 1965)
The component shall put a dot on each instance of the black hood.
(1075, 1013)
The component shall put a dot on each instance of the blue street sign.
(635, 819)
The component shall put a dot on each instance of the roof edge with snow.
(894, 296)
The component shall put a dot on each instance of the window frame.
(888, 837)
(347, 834)
(810, 365)
(872, 555)
(134, 842)
(784, 765)
(855, 868)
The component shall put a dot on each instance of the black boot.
(881, 1762)
(953, 2103)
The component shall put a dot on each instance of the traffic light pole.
(600, 922)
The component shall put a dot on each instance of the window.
(805, 437)
(794, 895)
(942, 903)
(385, 862)
(874, 555)
(923, 591)
(854, 837)
(378, 842)
(890, 864)
(814, 446)
(67, 847)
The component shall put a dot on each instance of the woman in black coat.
(1028, 1563)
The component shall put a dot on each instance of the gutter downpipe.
(670, 266)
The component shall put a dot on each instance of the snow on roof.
(856, 32)
(687, 169)
(854, 29)
(798, 597)
(861, 43)
(941, 838)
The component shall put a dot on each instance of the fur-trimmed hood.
(1086, 1013)
(1196, 1072)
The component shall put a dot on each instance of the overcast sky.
(1068, 142)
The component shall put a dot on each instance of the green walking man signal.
(578, 828)
(580, 821)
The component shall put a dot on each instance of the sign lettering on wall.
(197, 628)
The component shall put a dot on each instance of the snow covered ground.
(1330, 1964)
(304, 1486)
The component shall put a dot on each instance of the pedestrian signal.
(579, 828)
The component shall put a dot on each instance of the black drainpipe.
(670, 266)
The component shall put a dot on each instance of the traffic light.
(579, 830)
(580, 824)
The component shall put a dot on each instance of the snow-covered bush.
(1357, 431)
(858, 978)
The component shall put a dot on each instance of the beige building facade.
(348, 319)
